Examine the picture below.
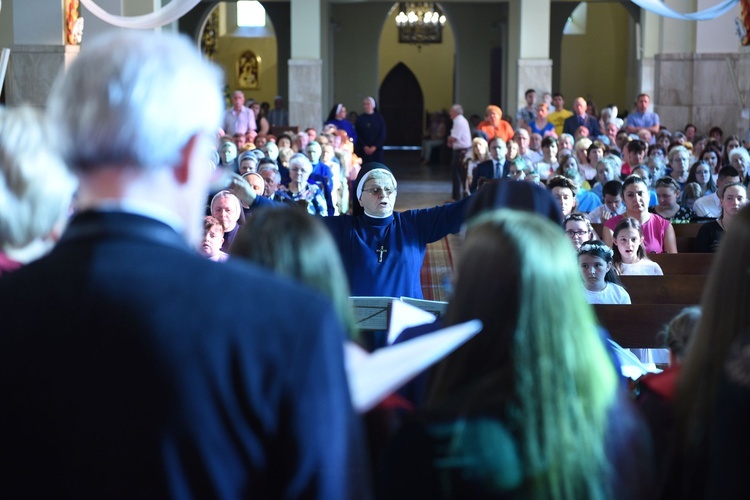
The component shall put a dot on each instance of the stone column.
(528, 44)
(33, 69)
(701, 75)
(648, 45)
(306, 65)
(38, 52)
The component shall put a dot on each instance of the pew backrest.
(684, 234)
(636, 325)
(668, 289)
(683, 263)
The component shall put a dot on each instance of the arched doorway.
(430, 66)
(603, 37)
(217, 28)
(402, 105)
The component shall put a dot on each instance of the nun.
(383, 250)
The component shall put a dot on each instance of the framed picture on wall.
(248, 70)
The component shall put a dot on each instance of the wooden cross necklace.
(380, 251)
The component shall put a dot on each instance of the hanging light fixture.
(420, 23)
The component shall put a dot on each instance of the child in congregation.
(607, 169)
(586, 201)
(601, 284)
(691, 193)
(578, 229)
(213, 238)
(612, 206)
(629, 253)
(644, 172)
(655, 392)
(636, 156)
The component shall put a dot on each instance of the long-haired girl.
(629, 253)
(602, 286)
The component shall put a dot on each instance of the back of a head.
(541, 348)
(679, 331)
(537, 266)
(725, 315)
(294, 244)
(718, 342)
(36, 187)
(122, 102)
(505, 193)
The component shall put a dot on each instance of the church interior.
(316, 53)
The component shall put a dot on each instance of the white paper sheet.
(374, 376)
(403, 316)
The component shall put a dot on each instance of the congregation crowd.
(131, 365)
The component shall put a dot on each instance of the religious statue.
(743, 22)
(248, 70)
(73, 23)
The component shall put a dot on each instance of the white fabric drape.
(658, 7)
(167, 14)
(178, 8)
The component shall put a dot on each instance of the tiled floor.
(419, 186)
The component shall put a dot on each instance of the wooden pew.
(636, 325)
(685, 245)
(684, 233)
(686, 230)
(668, 289)
(683, 263)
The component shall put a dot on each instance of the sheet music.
(630, 365)
(404, 315)
(374, 376)
(435, 307)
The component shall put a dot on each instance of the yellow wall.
(432, 64)
(228, 52)
(595, 65)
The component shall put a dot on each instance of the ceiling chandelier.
(420, 23)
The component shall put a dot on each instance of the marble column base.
(533, 74)
(306, 93)
(33, 69)
(700, 89)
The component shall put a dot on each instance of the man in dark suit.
(581, 119)
(130, 367)
(496, 168)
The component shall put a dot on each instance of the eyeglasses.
(577, 234)
(376, 191)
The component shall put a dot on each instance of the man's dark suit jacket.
(486, 169)
(570, 125)
(132, 368)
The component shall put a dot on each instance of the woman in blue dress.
(370, 129)
(337, 117)
(540, 125)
